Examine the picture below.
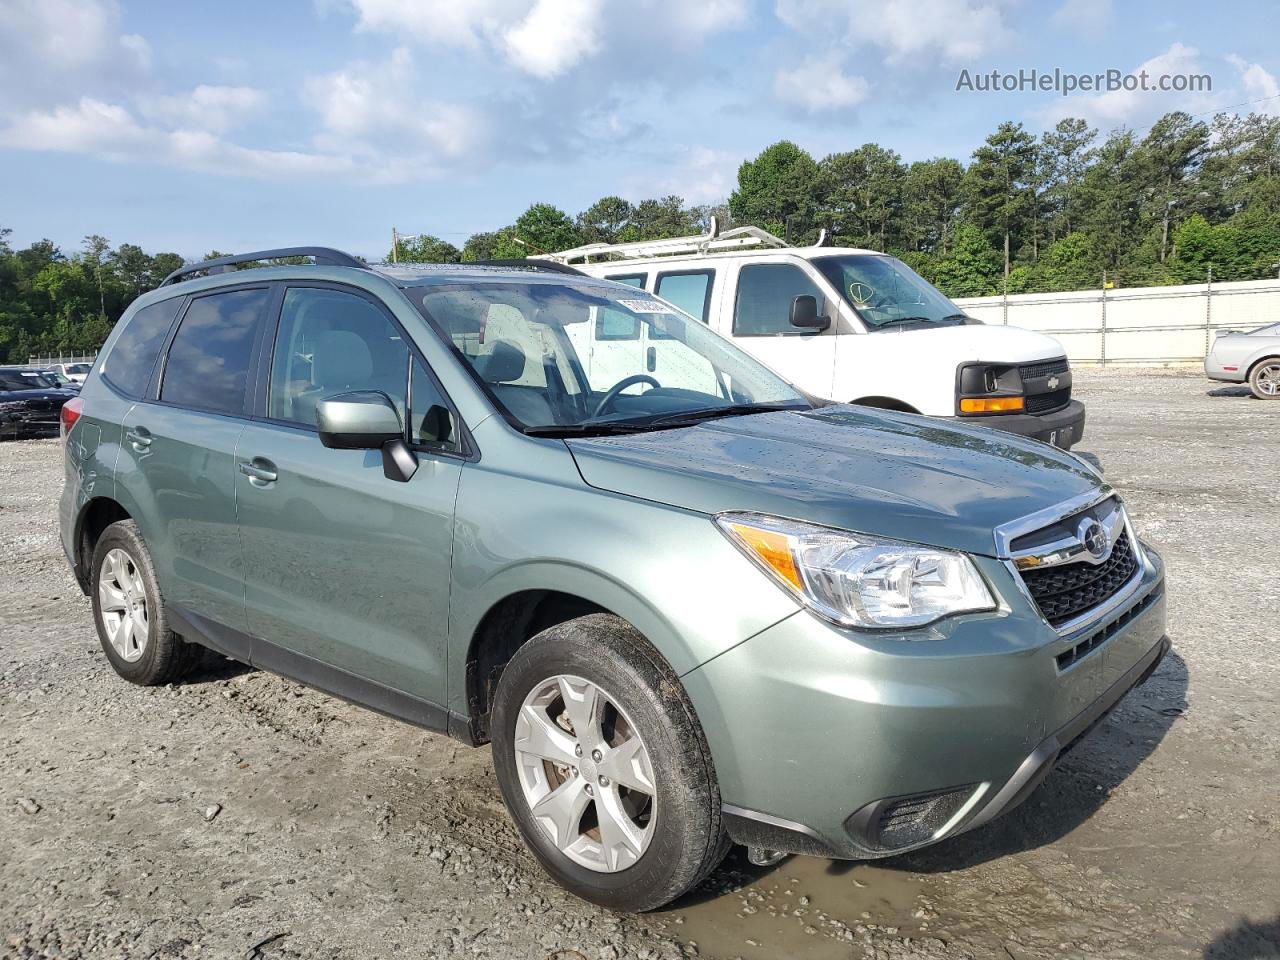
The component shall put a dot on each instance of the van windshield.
(887, 294)
(569, 357)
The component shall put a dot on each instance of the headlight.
(855, 580)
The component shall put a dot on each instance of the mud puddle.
(804, 906)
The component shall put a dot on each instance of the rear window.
(129, 365)
(208, 364)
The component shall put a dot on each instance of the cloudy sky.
(241, 125)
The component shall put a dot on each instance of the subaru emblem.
(1093, 537)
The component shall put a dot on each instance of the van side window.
(614, 324)
(765, 292)
(208, 363)
(332, 342)
(691, 292)
(129, 365)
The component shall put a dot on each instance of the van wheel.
(604, 767)
(1264, 380)
(129, 611)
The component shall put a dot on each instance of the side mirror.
(362, 420)
(804, 314)
(367, 420)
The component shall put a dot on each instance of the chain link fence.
(1156, 325)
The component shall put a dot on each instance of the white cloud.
(1084, 15)
(50, 49)
(555, 36)
(820, 86)
(547, 38)
(1137, 107)
(1258, 85)
(207, 107)
(952, 30)
(698, 174)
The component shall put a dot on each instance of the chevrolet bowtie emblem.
(1052, 383)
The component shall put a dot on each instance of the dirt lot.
(204, 819)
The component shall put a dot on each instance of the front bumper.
(815, 731)
(1062, 428)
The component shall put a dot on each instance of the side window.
(433, 423)
(615, 324)
(691, 292)
(333, 342)
(208, 362)
(765, 292)
(129, 365)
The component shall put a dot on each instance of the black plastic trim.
(315, 673)
(550, 266)
(754, 829)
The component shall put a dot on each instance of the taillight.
(71, 411)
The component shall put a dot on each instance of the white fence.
(51, 359)
(1141, 325)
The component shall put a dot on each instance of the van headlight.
(856, 580)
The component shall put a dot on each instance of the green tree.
(971, 269)
(542, 228)
(778, 191)
(931, 203)
(998, 186)
(1065, 150)
(604, 220)
(425, 248)
(658, 220)
(1169, 156)
(861, 195)
(481, 246)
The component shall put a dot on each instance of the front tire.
(1264, 380)
(604, 767)
(128, 610)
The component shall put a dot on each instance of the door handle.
(139, 437)
(259, 471)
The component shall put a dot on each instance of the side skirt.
(322, 676)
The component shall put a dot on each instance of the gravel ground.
(242, 815)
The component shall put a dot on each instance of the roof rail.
(710, 242)
(325, 255)
(552, 266)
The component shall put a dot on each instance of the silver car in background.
(1252, 357)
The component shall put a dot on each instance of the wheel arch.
(535, 597)
(886, 403)
(95, 516)
(1270, 353)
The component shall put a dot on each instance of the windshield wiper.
(713, 413)
(602, 429)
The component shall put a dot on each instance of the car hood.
(989, 343)
(891, 474)
(44, 393)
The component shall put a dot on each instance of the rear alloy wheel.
(128, 610)
(604, 767)
(1264, 380)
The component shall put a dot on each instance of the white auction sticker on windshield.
(645, 306)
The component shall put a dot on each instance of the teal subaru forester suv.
(687, 604)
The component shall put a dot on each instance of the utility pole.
(395, 246)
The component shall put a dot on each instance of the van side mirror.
(367, 420)
(804, 313)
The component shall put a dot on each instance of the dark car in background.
(30, 403)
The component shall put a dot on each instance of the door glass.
(208, 363)
(332, 342)
(433, 422)
(765, 292)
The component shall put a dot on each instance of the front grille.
(1049, 367)
(1065, 592)
(1091, 643)
(1048, 402)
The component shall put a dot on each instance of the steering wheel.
(607, 400)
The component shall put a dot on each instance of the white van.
(848, 325)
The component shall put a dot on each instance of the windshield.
(577, 356)
(887, 293)
(78, 368)
(25, 380)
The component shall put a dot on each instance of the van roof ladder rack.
(713, 241)
(321, 255)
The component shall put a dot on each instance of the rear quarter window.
(132, 359)
(208, 363)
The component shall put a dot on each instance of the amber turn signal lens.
(992, 404)
(774, 549)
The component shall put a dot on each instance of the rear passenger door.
(176, 470)
(347, 571)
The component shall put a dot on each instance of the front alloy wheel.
(585, 773)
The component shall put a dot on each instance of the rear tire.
(128, 610)
(642, 827)
(1264, 379)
